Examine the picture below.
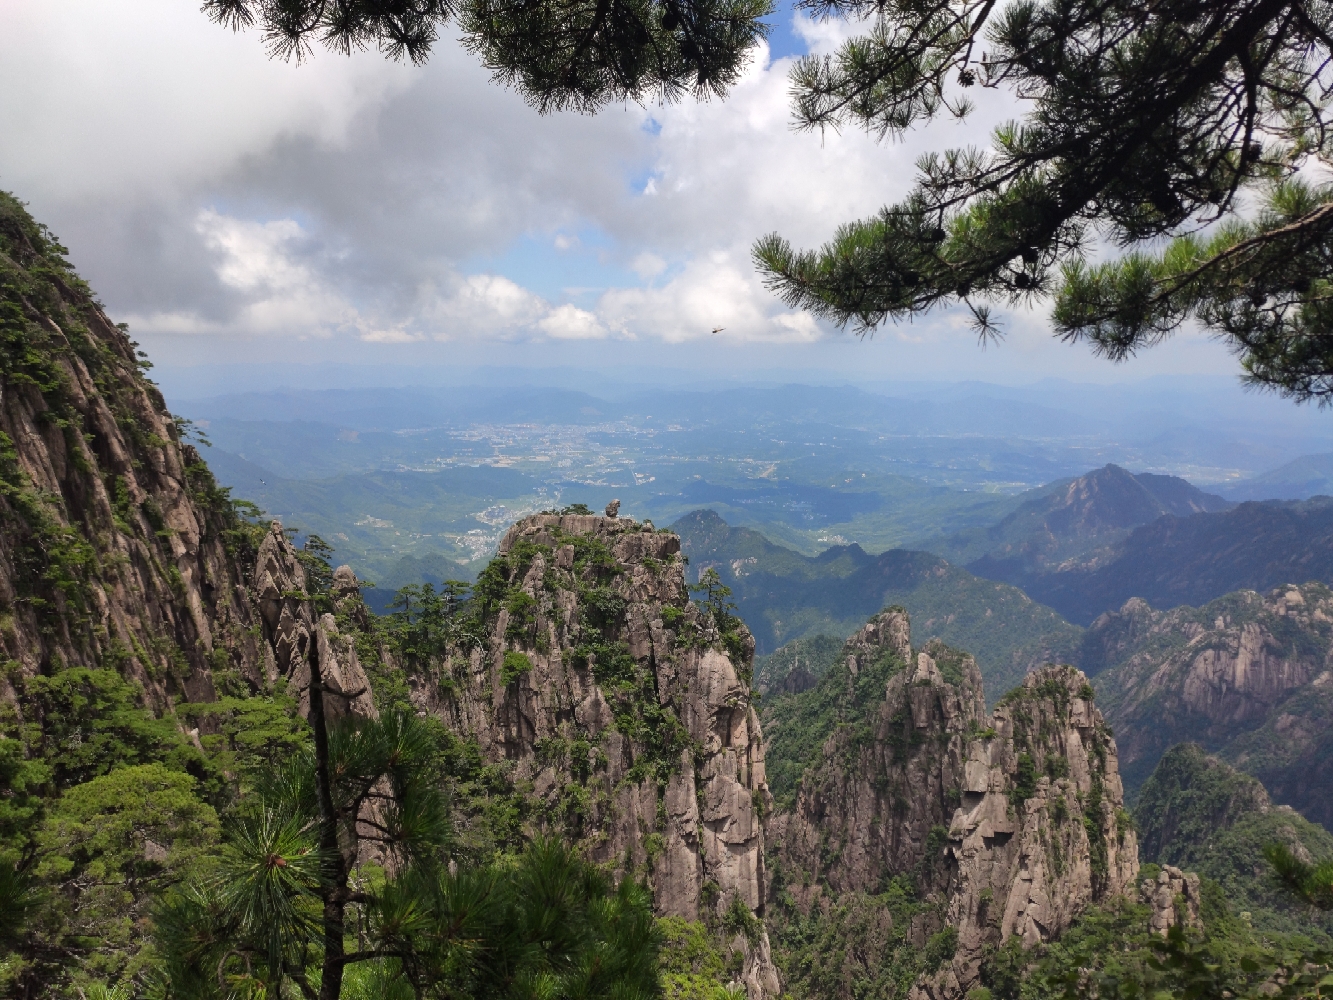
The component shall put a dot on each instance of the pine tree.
(1144, 122)
(335, 880)
(560, 54)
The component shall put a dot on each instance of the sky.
(235, 209)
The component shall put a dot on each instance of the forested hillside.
(784, 595)
(1196, 559)
(1198, 813)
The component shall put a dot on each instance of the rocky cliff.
(117, 548)
(1042, 832)
(623, 711)
(1247, 676)
(922, 831)
(884, 777)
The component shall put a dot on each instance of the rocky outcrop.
(1174, 897)
(1248, 676)
(1042, 832)
(1007, 825)
(626, 710)
(865, 810)
(117, 548)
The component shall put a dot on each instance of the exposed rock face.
(289, 623)
(626, 709)
(1175, 899)
(866, 808)
(1042, 832)
(116, 546)
(1246, 676)
(1010, 825)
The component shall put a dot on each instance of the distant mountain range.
(783, 595)
(1070, 518)
(1305, 477)
(1087, 545)
(1196, 559)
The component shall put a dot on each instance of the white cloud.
(205, 189)
(482, 304)
(647, 265)
(118, 98)
(709, 294)
(569, 322)
(281, 293)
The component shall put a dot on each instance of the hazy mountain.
(1196, 559)
(1200, 814)
(1307, 476)
(1071, 518)
(1246, 676)
(783, 595)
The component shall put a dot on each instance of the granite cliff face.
(866, 807)
(1042, 832)
(626, 710)
(956, 830)
(1247, 676)
(117, 549)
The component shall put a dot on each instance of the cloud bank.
(208, 192)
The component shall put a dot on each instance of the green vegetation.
(694, 965)
(1145, 656)
(280, 907)
(1197, 813)
(1139, 125)
(860, 945)
(104, 808)
(783, 595)
(811, 656)
(797, 726)
(718, 610)
(515, 665)
(1111, 953)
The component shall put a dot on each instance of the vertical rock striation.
(1041, 833)
(117, 548)
(866, 807)
(1003, 826)
(625, 709)
(1248, 676)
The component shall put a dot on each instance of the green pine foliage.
(1110, 953)
(1138, 123)
(861, 944)
(560, 56)
(280, 907)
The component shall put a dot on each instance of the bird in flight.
(718, 329)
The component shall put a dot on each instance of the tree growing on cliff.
(291, 904)
(1146, 125)
(560, 54)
